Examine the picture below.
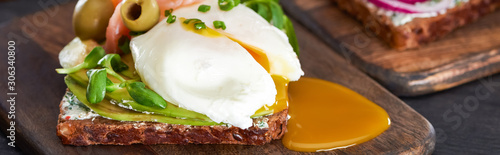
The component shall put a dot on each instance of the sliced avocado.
(122, 97)
(109, 110)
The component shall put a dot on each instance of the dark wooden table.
(462, 125)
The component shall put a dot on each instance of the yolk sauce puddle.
(326, 116)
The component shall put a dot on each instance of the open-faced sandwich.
(408, 24)
(177, 72)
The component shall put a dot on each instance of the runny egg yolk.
(256, 53)
(326, 116)
(281, 82)
(281, 97)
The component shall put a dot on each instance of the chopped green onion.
(200, 25)
(219, 25)
(227, 5)
(187, 21)
(171, 19)
(204, 8)
(168, 12)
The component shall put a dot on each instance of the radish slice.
(412, 1)
(398, 6)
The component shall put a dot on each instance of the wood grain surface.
(469, 53)
(40, 90)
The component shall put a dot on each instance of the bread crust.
(100, 130)
(420, 30)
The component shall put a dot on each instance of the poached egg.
(224, 74)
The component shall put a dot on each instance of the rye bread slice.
(419, 31)
(99, 130)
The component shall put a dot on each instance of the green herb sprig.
(96, 89)
(145, 96)
(89, 62)
(100, 66)
(273, 13)
(113, 64)
(111, 87)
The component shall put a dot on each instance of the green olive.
(140, 15)
(91, 18)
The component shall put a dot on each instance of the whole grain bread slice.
(99, 130)
(420, 30)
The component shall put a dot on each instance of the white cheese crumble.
(73, 109)
(261, 123)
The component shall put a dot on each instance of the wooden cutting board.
(469, 53)
(40, 90)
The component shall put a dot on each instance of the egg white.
(215, 76)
